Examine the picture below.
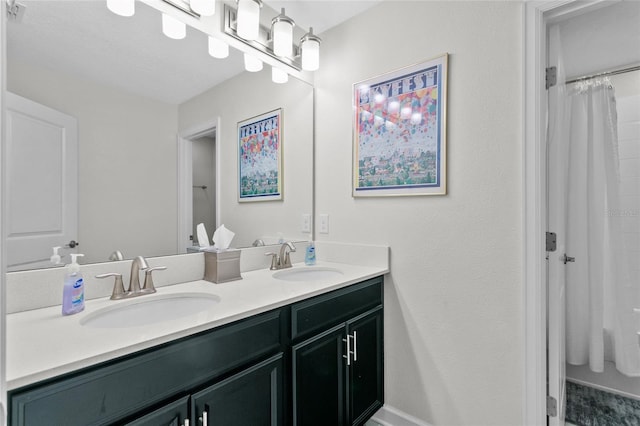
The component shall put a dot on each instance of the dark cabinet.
(365, 369)
(337, 374)
(318, 379)
(173, 414)
(315, 362)
(251, 397)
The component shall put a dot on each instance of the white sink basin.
(150, 309)
(309, 273)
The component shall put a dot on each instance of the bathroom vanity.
(309, 353)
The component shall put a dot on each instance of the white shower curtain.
(600, 296)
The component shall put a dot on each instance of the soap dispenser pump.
(73, 291)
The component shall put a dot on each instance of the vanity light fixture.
(122, 7)
(282, 34)
(203, 7)
(278, 75)
(173, 28)
(251, 63)
(310, 51)
(248, 19)
(218, 48)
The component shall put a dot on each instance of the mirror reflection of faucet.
(138, 264)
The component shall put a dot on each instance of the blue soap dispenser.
(310, 253)
(73, 291)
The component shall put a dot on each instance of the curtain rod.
(605, 73)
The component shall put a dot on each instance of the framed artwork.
(399, 132)
(260, 157)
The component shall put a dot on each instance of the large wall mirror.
(155, 121)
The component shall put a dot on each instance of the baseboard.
(390, 416)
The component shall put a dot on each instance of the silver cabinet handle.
(355, 347)
(348, 355)
(204, 419)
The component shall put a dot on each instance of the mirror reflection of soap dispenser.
(55, 257)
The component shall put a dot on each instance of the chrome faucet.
(138, 264)
(283, 259)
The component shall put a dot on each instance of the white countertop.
(43, 343)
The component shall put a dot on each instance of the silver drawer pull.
(355, 347)
(348, 355)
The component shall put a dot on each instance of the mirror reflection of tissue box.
(221, 266)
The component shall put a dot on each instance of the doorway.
(203, 150)
(540, 335)
(198, 183)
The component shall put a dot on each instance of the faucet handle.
(274, 260)
(118, 286)
(148, 286)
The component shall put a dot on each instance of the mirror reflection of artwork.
(260, 157)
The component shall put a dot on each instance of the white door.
(42, 182)
(557, 187)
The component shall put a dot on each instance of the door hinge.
(550, 241)
(552, 406)
(551, 77)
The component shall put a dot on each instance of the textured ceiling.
(85, 39)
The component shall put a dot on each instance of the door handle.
(72, 244)
(566, 259)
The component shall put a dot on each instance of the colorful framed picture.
(260, 157)
(399, 132)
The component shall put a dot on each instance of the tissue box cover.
(221, 266)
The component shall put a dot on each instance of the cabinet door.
(173, 414)
(318, 380)
(366, 375)
(252, 397)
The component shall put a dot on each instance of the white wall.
(454, 308)
(243, 97)
(127, 156)
(602, 39)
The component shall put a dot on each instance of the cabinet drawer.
(103, 394)
(322, 312)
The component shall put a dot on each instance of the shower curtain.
(583, 149)
(600, 296)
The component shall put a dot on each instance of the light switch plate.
(306, 222)
(324, 223)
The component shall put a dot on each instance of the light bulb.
(310, 46)
(173, 28)
(122, 7)
(251, 63)
(279, 76)
(282, 30)
(218, 48)
(203, 7)
(248, 20)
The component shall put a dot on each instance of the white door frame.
(185, 178)
(537, 15)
